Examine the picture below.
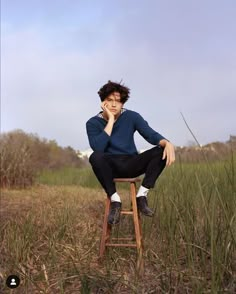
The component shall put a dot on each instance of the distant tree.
(24, 155)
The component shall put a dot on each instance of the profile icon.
(12, 281)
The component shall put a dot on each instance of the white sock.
(115, 197)
(142, 191)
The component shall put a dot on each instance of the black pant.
(109, 166)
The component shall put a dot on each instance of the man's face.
(113, 103)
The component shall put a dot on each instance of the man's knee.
(157, 151)
(158, 154)
(96, 157)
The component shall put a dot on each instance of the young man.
(111, 136)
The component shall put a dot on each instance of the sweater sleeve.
(146, 131)
(98, 140)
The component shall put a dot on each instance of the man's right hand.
(110, 117)
(106, 111)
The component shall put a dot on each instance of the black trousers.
(109, 166)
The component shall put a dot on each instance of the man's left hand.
(169, 152)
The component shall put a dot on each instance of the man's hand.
(106, 111)
(110, 116)
(169, 152)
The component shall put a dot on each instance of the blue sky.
(176, 56)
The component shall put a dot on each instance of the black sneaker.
(114, 214)
(143, 206)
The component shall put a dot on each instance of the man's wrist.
(111, 119)
(163, 142)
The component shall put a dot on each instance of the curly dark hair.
(111, 87)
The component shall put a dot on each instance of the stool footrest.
(121, 245)
(127, 212)
(124, 239)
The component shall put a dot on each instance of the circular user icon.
(13, 281)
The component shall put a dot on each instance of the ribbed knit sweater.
(121, 140)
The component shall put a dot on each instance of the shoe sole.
(113, 224)
(150, 215)
(116, 223)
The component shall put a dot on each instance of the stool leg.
(105, 230)
(140, 262)
(137, 226)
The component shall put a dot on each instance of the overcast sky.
(175, 56)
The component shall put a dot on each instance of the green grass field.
(50, 234)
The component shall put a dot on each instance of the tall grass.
(69, 176)
(196, 221)
(83, 177)
(50, 235)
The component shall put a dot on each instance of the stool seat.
(129, 180)
(106, 241)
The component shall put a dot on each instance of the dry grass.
(50, 237)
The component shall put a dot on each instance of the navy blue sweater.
(121, 140)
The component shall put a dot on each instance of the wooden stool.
(106, 241)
